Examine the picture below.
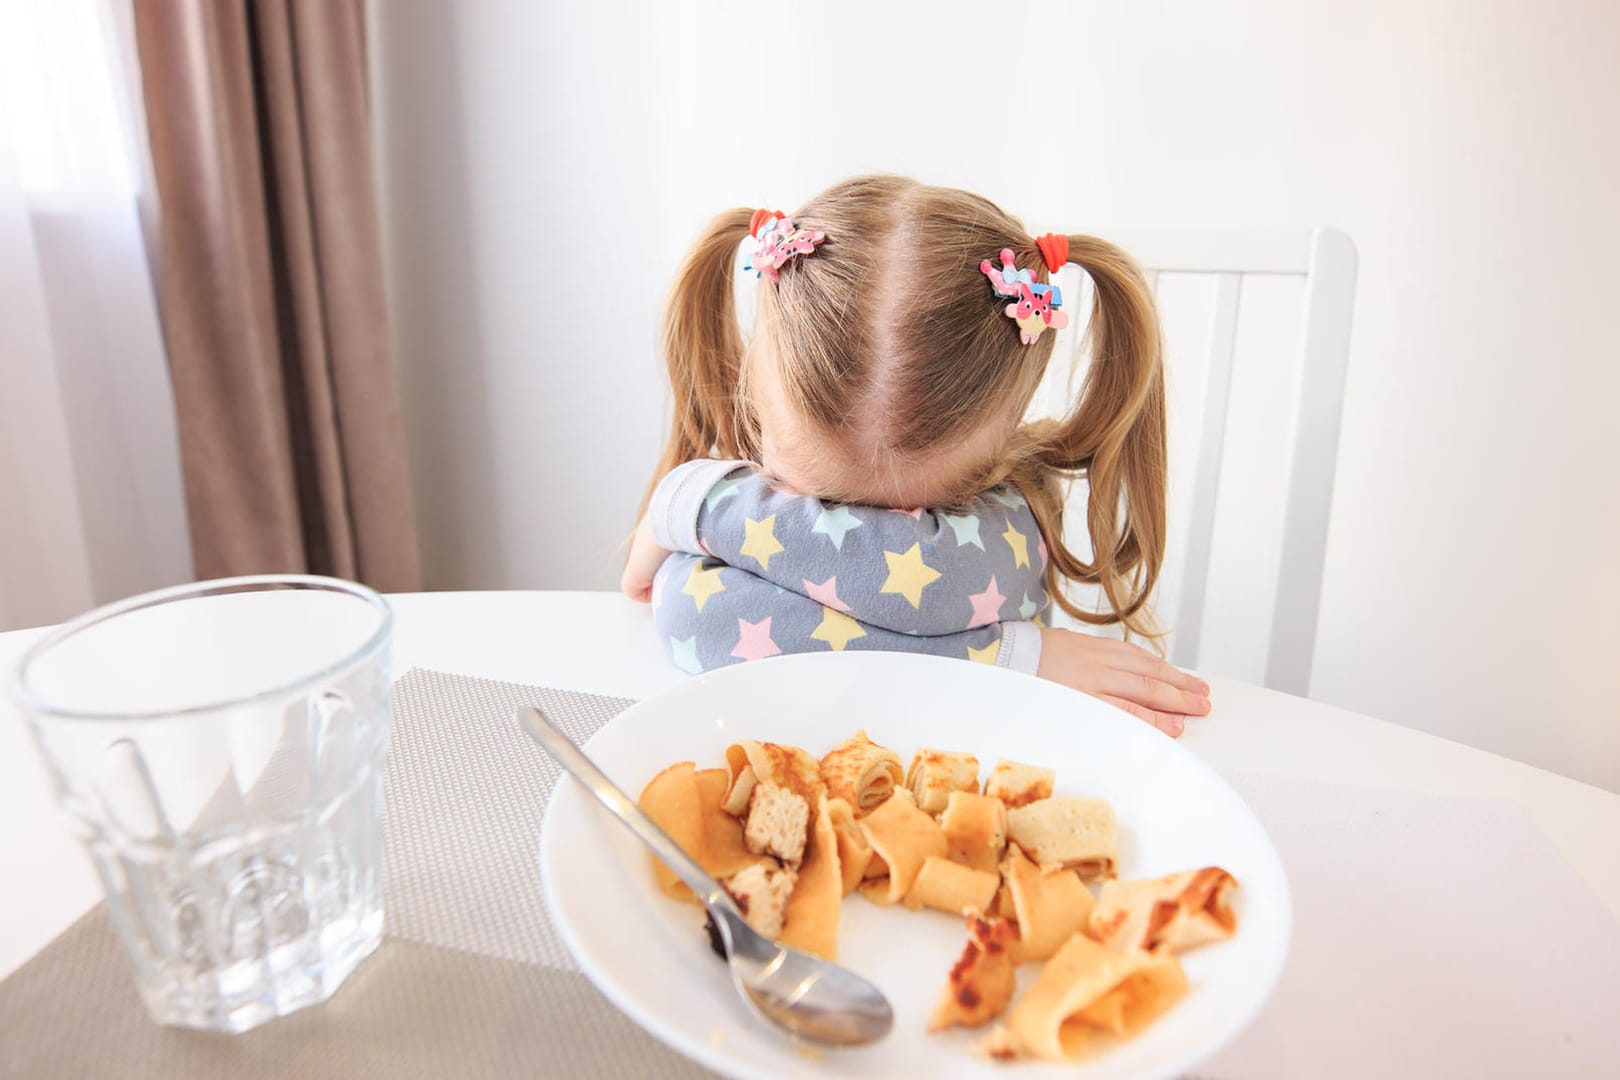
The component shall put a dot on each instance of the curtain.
(269, 266)
(91, 507)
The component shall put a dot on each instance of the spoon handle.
(570, 757)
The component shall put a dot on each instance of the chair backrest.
(1274, 309)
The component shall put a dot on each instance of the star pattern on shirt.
(837, 629)
(754, 640)
(1040, 551)
(908, 574)
(1027, 609)
(703, 583)
(1019, 544)
(825, 593)
(683, 652)
(986, 605)
(986, 655)
(966, 528)
(835, 523)
(760, 543)
(718, 494)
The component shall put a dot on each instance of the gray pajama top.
(759, 570)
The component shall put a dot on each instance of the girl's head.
(882, 370)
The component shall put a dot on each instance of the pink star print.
(1040, 550)
(986, 606)
(914, 512)
(754, 640)
(826, 593)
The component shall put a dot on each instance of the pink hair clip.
(1034, 306)
(779, 241)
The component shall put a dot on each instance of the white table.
(602, 643)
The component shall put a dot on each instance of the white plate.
(650, 956)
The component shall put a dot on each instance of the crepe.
(934, 774)
(1019, 785)
(854, 853)
(1051, 905)
(1087, 989)
(951, 887)
(903, 837)
(776, 786)
(1079, 834)
(811, 923)
(787, 766)
(975, 828)
(1178, 911)
(982, 980)
(671, 799)
(861, 772)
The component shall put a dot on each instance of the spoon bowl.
(808, 997)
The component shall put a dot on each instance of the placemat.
(471, 980)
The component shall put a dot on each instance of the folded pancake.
(762, 893)
(861, 772)
(934, 774)
(1017, 785)
(854, 853)
(903, 837)
(951, 887)
(724, 853)
(782, 784)
(982, 980)
(1075, 833)
(811, 922)
(1178, 911)
(976, 829)
(672, 800)
(1087, 989)
(1051, 905)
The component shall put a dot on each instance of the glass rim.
(20, 692)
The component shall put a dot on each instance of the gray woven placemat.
(472, 980)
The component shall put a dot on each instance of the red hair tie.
(1055, 250)
(760, 218)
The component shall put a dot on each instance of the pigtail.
(703, 351)
(1115, 438)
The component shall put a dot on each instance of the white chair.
(1277, 306)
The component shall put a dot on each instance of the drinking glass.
(219, 749)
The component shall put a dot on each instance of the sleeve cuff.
(1020, 647)
(677, 499)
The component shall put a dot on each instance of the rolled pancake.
(723, 850)
(1177, 911)
(1075, 833)
(1088, 988)
(982, 980)
(783, 785)
(952, 888)
(861, 772)
(1051, 905)
(903, 837)
(750, 762)
(811, 924)
(934, 774)
(1018, 785)
(976, 829)
(854, 853)
(673, 801)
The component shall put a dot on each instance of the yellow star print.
(1019, 544)
(702, 584)
(837, 629)
(986, 655)
(760, 543)
(909, 575)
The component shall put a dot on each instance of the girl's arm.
(710, 614)
(912, 572)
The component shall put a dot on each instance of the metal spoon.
(811, 998)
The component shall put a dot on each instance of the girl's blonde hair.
(891, 320)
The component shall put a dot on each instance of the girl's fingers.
(1169, 723)
(1151, 692)
(1134, 658)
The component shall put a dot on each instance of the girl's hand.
(645, 559)
(1124, 675)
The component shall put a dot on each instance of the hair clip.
(1034, 306)
(779, 241)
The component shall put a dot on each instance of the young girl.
(898, 333)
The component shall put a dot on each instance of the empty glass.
(219, 749)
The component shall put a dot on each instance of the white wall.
(544, 165)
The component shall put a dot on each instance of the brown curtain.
(270, 279)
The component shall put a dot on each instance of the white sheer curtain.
(91, 504)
